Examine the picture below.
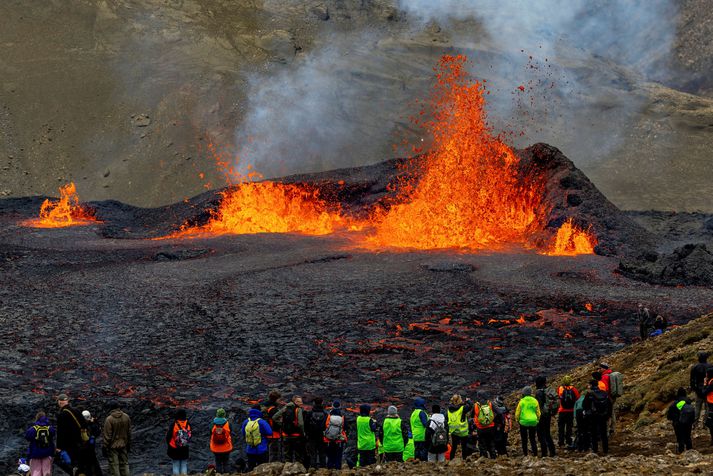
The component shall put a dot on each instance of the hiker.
(698, 378)
(89, 449)
(682, 416)
(612, 383)
(645, 322)
(503, 425)
(484, 421)
(528, 416)
(335, 438)
(366, 436)
(269, 408)
(221, 441)
(256, 432)
(583, 439)
(41, 437)
(72, 433)
(568, 396)
(597, 406)
(116, 440)
(292, 420)
(549, 404)
(395, 435)
(178, 439)
(419, 422)
(458, 425)
(660, 325)
(437, 435)
(708, 392)
(314, 429)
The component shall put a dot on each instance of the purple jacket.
(36, 450)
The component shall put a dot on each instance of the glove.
(64, 456)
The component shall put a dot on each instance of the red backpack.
(220, 434)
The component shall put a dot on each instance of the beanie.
(392, 410)
(336, 404)
(220, 413)
(567, 380)
(527, 391)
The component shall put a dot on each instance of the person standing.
(437, 435)
(116, 440)
(72, 434)
(503, 425)
(458, 425)
(89, 450)
(366, 436)
(698, 378)
(682, 415)
(41, 436)
(419, 422)
(256, 432)
(221, 441)
(708, 393)
(582, 440)
(178, 439)
(549, 403)
(568, 396)
(484, 420)
(528, 415)
(598, 406)
(292, 417)
(334, 436)
(646, 323)
(270, 408)
(314, 429)
(395, 435)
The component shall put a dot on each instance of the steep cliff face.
(123, 96)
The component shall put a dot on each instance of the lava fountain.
(67, 211)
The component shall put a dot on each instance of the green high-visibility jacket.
(409, 451)
(456, 424)
(393, 437)
(527, 412)
(417, 429)
(366, 439)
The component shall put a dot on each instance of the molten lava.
(572, 240)
(67, 211)
(470, 192)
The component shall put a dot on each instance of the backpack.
(551, 401)
(42, 436)
(568, 398)
(687, 415)
(601, 403)
(253, 437)
(440, 435)
(616, 384)
(183, 435)
(316, 422)
(290, 424)
(485, 414)
(334, 424)
(219, 434)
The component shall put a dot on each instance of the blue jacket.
(265, 431)
(35, 452)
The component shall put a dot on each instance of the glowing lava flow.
(470, 193)
(572, 240)
(67, 211)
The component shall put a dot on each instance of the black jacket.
(698, 376)
(590, 408)
(315, 421)
(69, 425)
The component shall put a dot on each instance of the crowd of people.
(317, 437)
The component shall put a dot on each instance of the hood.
(219, 421)
(438, 418)
(116, 413)
(254, 414)
(419, 403)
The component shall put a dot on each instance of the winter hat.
(86, 414)
(220, 413)
(419, 402)
(364, 409)
(392, 410)
(567, 380)
(62, 397)
(681, 393)
(527, 391)
(336, 404)
(604, 365)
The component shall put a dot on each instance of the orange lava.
(67, 211)
(270, 207)
(572, 240)
(470, 193)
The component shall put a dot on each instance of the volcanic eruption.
(67, 211)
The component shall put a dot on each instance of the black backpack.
(601, 403)
(568, 398)
(290, 425)
(42, 436)
(317, 420)
(439, 438)
(687, 415)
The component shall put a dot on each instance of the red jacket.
(605, 381)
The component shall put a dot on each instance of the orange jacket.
(183, 425)
(227, 445)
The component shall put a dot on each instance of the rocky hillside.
(123, 96)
